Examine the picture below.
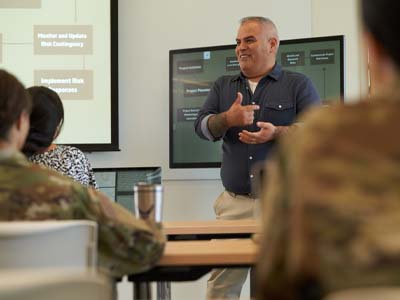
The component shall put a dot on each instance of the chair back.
(48, 244)
(53, 284)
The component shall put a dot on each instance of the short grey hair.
(262, 20)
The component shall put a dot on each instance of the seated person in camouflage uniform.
(332, 206)
(30, 192)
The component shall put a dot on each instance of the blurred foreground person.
(332, 202)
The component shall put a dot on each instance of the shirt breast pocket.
(279, 113)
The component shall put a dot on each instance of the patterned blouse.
(69, 161)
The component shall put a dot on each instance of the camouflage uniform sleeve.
(126, 245)
(283, 274)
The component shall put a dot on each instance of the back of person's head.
(46, 119)
(14, 100)
(381, 20)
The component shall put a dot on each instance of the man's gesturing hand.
(266, 133)
(240, 115)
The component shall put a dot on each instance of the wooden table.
(213, 229)
(189, 260)
(214, 252)
(194, 248)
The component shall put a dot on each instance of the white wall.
(148, 29)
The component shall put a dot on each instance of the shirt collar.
(274, 74)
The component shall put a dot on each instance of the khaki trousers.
(227, 283)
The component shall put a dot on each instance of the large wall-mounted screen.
(71, 47)
(193, 71)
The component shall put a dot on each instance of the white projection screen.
(70, 46)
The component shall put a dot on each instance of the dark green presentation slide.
(193, 71)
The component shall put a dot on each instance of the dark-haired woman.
(47, 118)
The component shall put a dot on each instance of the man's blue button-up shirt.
(282, 95)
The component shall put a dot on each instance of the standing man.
(249, 111)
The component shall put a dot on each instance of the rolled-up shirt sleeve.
(204, 128)
(210, 107)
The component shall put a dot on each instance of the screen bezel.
(195, 165)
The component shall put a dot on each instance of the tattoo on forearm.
(218, 125)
